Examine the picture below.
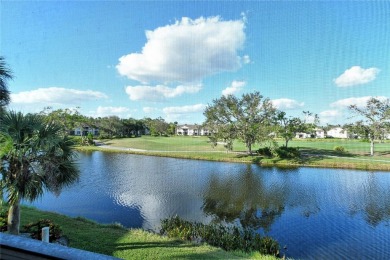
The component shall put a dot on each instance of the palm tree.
(34, 157)
(5, 74)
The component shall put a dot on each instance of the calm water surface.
(315, 213)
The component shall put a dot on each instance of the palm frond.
(37, 155)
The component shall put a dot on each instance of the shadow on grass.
(308, 156)
(146, 245)
(312, 155)
(324, 152)
(173, 250)
(383, 153)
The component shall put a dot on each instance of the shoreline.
(127, 243)
(321, 161)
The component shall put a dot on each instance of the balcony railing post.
(45, 234)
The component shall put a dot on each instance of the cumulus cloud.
(287, 104)
(185, 109)
(56, 95)
(187, 51)
(183, 113)
(331, 117)
(235, 87)
(111, 111)
(356, 76)
(358, 101)
(159, 92)
(149, 110)
(246, 59)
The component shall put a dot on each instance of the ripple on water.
(316, 213)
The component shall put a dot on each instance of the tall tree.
(157, 126)
(69, 119)
(110, 126)
(247, 119)
(376, 117)
(35, 156)
(5, 75)
(289, 126)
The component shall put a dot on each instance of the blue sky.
(171, 58)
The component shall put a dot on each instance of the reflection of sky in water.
(323, 213)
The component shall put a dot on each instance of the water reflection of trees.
(253, 201)
(375, 202)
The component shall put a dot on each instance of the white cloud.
(111, 111)
(56, 95)
(246, 59)
(286, 103)
(360, 102)
(330, 117)
(183, 113)
(187, 51)
(149, 110)
(159, 92)
(356, 76)
(235, 87)
(185, 109)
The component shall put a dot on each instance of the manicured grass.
(129, 243)
(317, 152)
(173, 143)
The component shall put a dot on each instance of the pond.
(314, 213)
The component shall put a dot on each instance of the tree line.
(253, 119)
(110, 126)
(37, 155)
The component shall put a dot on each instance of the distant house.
(302, 135)
(193, 130)
(337, 132)
(318, 133)
(84, 131)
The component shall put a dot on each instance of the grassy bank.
(317, 152)
(128, 243)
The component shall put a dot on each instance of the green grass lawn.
(173, 143)
(129, 243)
(317, 152)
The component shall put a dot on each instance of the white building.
(337, 132)
(84, 131)
(193, 130)
(302, 135)
(318, 133)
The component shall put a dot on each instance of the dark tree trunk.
(249, 146)
(14, 218)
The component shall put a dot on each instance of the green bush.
(3, 220)
(36, 229)
(227, 238)
(266, 151)
(339, 149)
(287, 152)
(77, 140)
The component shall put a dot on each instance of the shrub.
(266, 151)
(339, 149)
(227, 237)
(287, 152)
(3, 220)
(77, 140)
(36, 229)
